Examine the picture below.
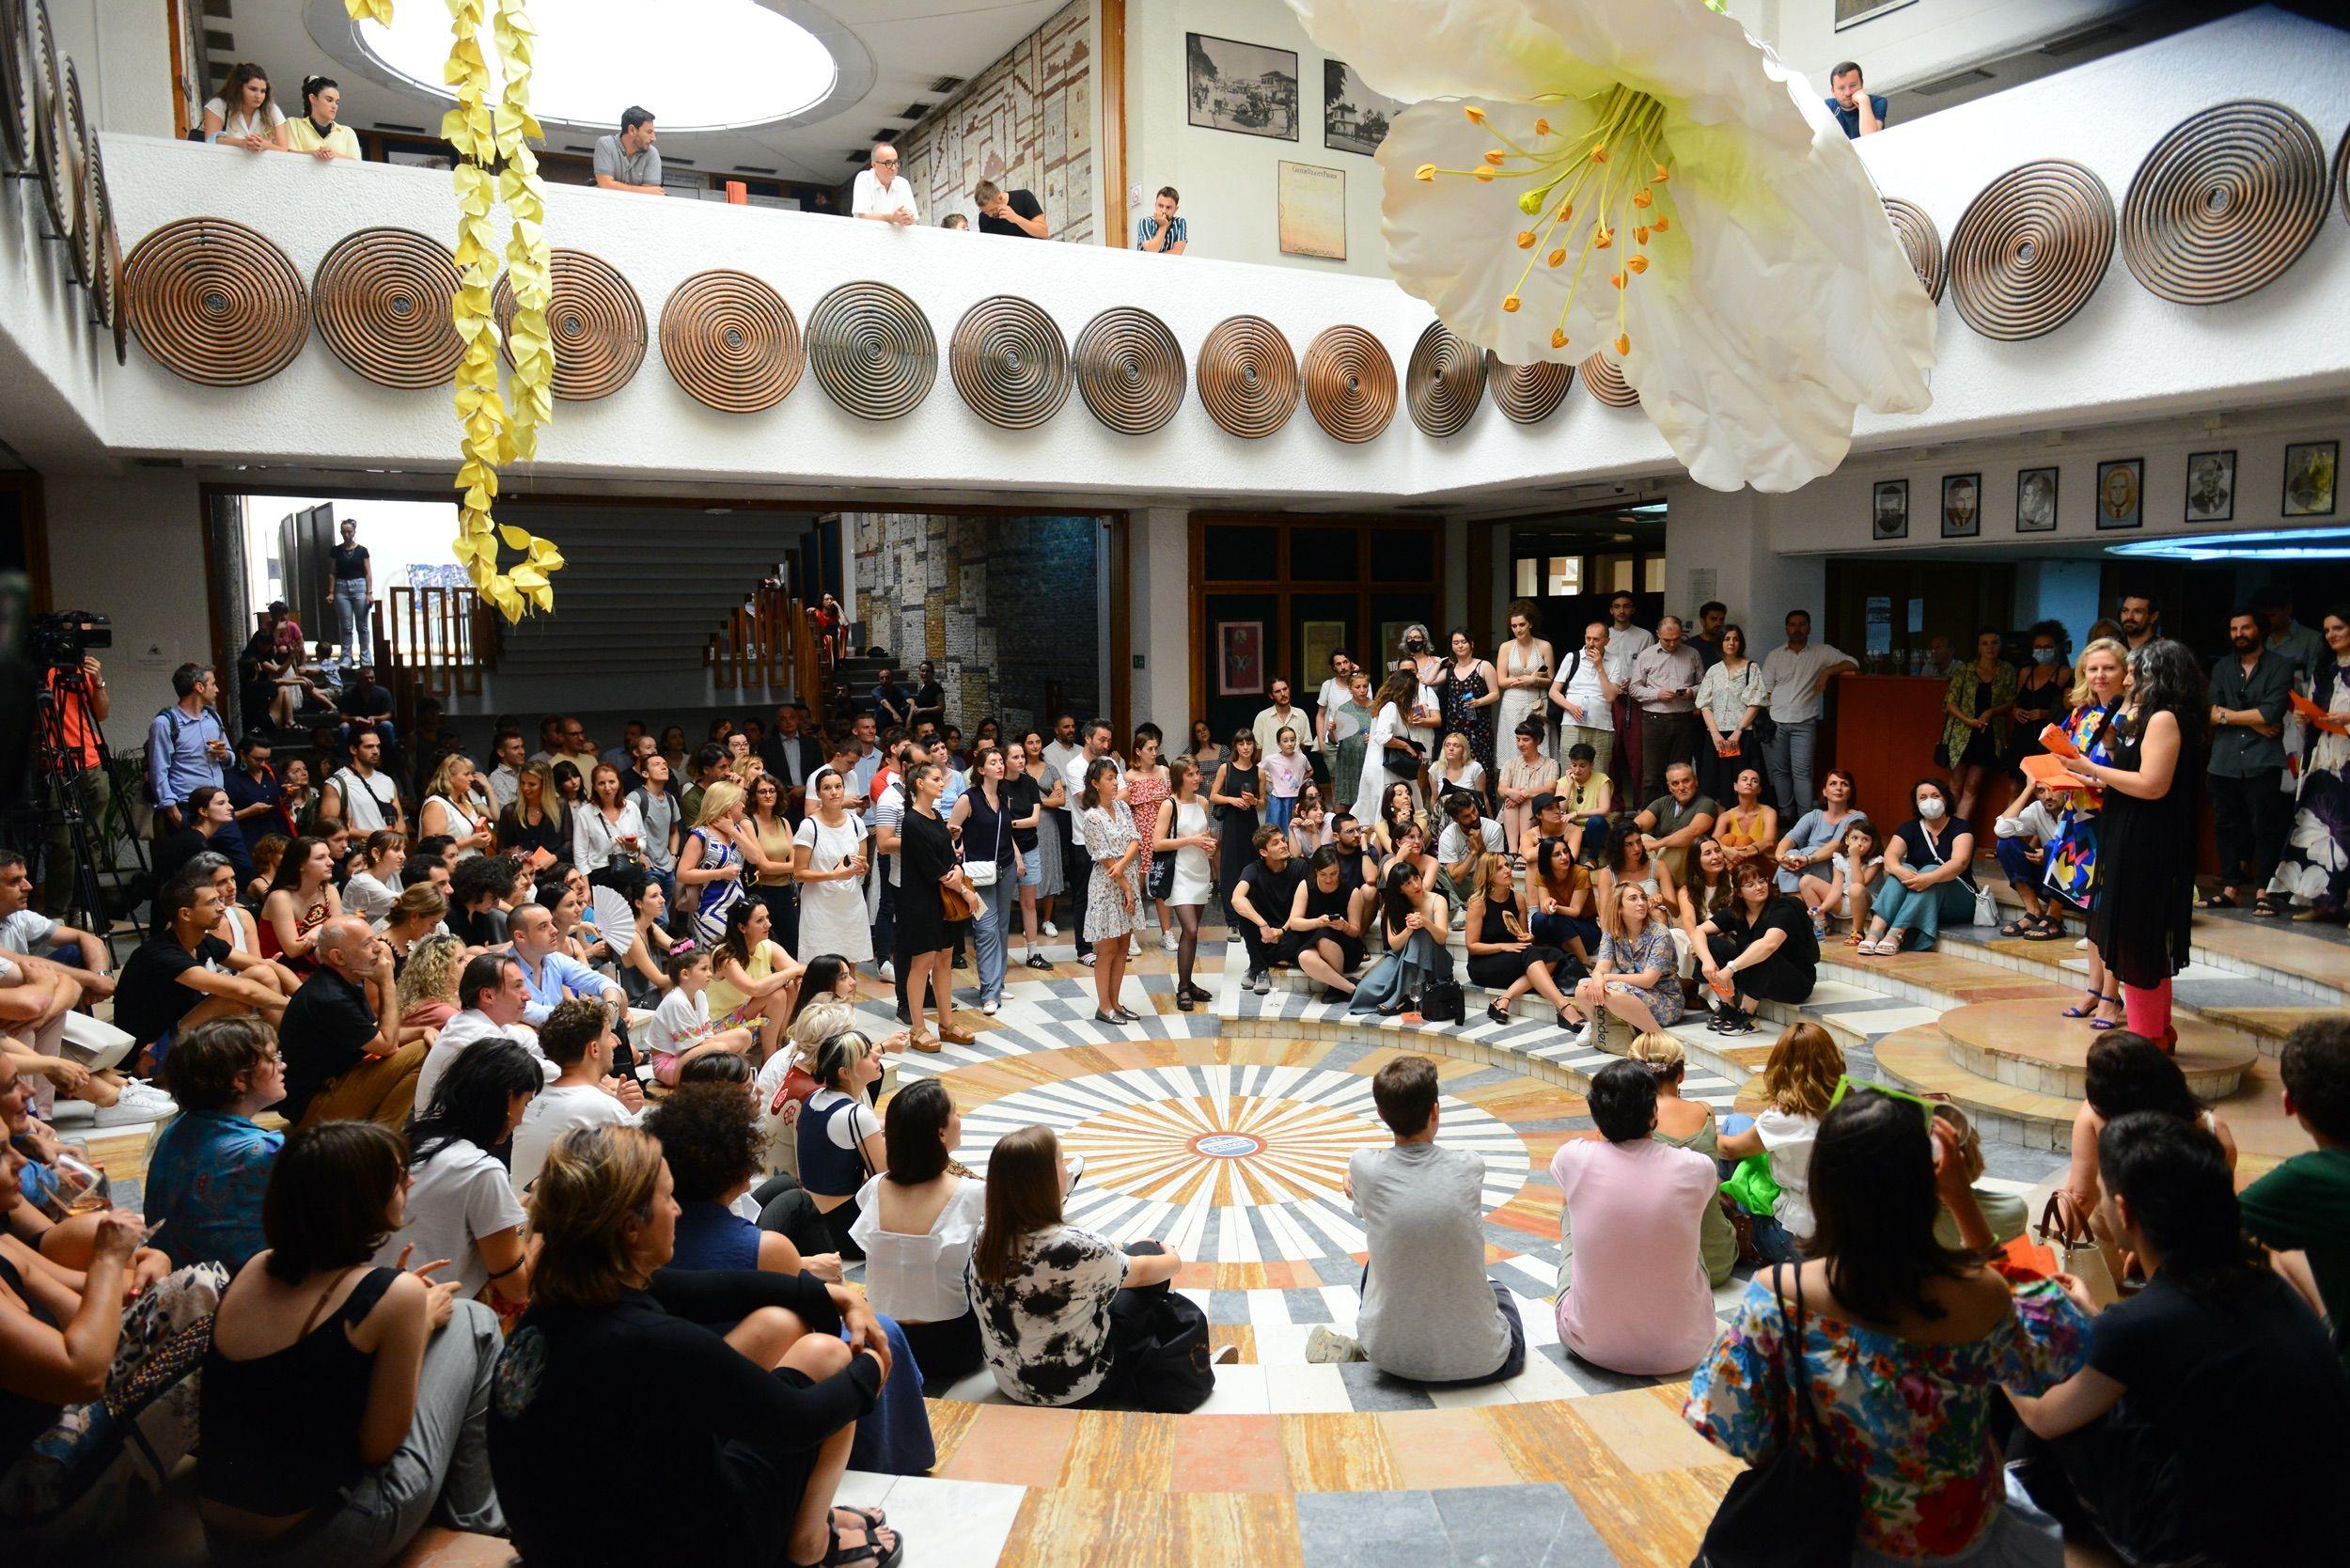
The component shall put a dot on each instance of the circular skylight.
(698, 65)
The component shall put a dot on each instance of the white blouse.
(242, 124)
(919, 1279)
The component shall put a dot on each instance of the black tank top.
(281, 1432)
(1495, 909)
(1319, 903)
(1240, 781)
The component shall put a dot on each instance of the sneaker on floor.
(888, 971)
(989, 1008)
(1325, 1345)
(1589, 1038)
(1049, 929)
(1038, 961)
(1166, 942)
(1086, 959)
(1260, 982)
(1134, 947)
(139, 1102)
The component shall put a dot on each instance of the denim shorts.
(1031, 870)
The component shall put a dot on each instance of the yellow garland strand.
(494, 430)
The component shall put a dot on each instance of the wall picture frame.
(1354, 117)
(2122, 492)
(1888, 509)
(1962, 506)
(2210, 487)
(1249, 89)
(2312, 478)
(1312, 211)
(1852, 13)
(1239, 658)
(2036, 501)
(1316, 641)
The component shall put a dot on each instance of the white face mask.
(1931, 810)
(2043, 655)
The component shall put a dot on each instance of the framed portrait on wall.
(1962, 506)
(1246, 88)
(1239, 658)
(2036, 501)
(2210, 487)
(1888, 509)
(2312, 470)
(1313, 211)
(2122, 492)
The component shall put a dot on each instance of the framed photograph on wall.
(2122, 492)
(1354, 117)
(1239, 658)
(2313, 470)
(1851, 14)
(1962, 506)
(1316, 641)
(2210, 487)
(1313, 211)
(1888, 509)
(2036, 501)
(1246, 88)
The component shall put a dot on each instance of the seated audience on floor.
(1587, 796)
(682, 1030)
(1899, 1345)
(209, 1169)
(756, 983)
(577, 1037)
(1929, 876)
(416, 917)
(1760, 948)
(1322, 937)
(343, 1405)
(918, 1222)
(1566, 905)
(1634, 1297)
(1686, 1123)
(2124, 1072)
(369, 891)
(2301, 1210)
(340, 1035)
(1429, 1312)
(841, 1140)
(1748, 828)
(1634, 978)
(753, 1422)
(1410, 940)
(56, 1177)
(187, 975)
(2210, 1418)
(301, 899)
(1064, 1314)
(208, 823)
(1262, 900)
(1798, 1082)
(1504, 956)
(1807, 850)
(461, 1199)
(1856, 865)
(2005, 1216)
(1468, 838)
(38, 1018)
(1674, 821)
(491, 997)
(549, 972)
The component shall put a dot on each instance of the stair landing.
(2026, 1045)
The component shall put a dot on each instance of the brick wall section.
(999, 604)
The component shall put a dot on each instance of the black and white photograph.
(2036, 501)
(2122, 492)
(1242, 87)
(1354, 117)
(1888, 509)
(1962, 506)
(2210, 487)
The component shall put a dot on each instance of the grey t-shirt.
(1428, 1310)
(643, 169)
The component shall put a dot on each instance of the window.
(1563, 577)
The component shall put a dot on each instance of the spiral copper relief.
(1130, 369)
(2225, 202)
(1921, 242)
(1009, 362)
(16, 88)
(383, 298)
(1602, 378)
(1443, 380)
(1527, 393)
(1247, 376)
(871, 348)
(2032, 248)
(730, 340)
(595, 319)
(49, 125)
(79, 147)
(1349, 382)
(216, 301)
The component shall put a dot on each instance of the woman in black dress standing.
(926, 862)
(1238, 798)
(2144, 905)
(2040, 696)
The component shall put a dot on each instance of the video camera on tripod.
(62, 640)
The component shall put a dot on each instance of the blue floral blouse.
(1912, 1419)
(1651, 950)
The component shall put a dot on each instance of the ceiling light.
(2273, 544)
(705, 65)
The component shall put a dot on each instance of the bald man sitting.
(339, 1033)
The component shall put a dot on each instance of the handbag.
(1795, 1509)
(983, 874)
(2076, 1251)
(798, 1084)
(1403, 764)
(957, 903)
(1441, 1002)
(1162, 884)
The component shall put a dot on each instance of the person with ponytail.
(317, 131)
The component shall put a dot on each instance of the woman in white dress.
(448, 807)
(828, 863)
(1524, 663)
(1183, 831)
(1389, 733)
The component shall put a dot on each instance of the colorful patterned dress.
(2315, 869)
(1462, 717)
(2072, 874)
(1652, 948)
(1144, 794)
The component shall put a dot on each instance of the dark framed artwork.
(2312, 470)
(1888, 509)
(2036, 501)
(1851, 14)
(1239, 658)
(2210, 487)
(1962, 506)
(1354, 117)
(1247, 89)
(2122, 492)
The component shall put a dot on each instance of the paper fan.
(614, 919)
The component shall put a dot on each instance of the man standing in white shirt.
(1585, 695)
(506, 779)
(1272, 721)
(1626, 643)
(1327, 701)
(1796, 676)
(361, 798)
(880, 193)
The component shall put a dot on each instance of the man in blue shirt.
(550, 974)
(1162, 233)
(1859, 112)
(186, 744)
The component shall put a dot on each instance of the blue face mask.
(2043, 655)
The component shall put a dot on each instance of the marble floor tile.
(950, 1524)
(1240, 1390)
(1300, 1389)
(1380, 1529)
(1535, 1526)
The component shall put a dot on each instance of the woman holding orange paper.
(2315, 869)
(2071, 851)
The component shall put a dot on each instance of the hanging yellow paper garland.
(496, 431)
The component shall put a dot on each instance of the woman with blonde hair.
(427, 991)
(709, 862)
(2071, 861)
(1634, 978)
(1688, 1124)
(448, 807)
(1798, 1085)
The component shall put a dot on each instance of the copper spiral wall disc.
(1349, 382)
(383, 298)
(2030, 249)
(2225, 202)
(1602, 378)
(2341, 173)
(80, 149)
(49, 126)
(1247, 376)
(595, 319)
(1921, 241)
(118, 314)
(730, 340)
(1009, 362)
(1528, 394)
(16, 88)
(1443, 380)
(99, 209)
(1130, 369)
(216, 301)
(871, 349)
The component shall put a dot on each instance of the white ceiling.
(908, 44)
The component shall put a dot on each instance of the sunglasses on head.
(1846, 1084)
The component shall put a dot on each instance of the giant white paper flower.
(1641, 179)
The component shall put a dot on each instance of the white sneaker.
(889, 971)
(139, 1102)
(988, 1008)
(1086, 959)
(1167, 941)
(1589, 1038)
(1325, 1345)
(1134, 947)
(1049, 929)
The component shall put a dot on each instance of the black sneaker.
(1734, 1021)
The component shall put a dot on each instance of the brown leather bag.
(956, 901)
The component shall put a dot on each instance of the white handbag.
(983, 873)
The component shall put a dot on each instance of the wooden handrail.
(768, 641)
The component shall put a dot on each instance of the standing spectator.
(1929, 876)
(1181, 833)
(2040, 695)
(1975, 708)
(1522, 670)
(1352, 734)
(1585, 695)
(354, 593)
(629, 160)
(1112, 909)
(2249, 810)
(2301, 646)
(505, 779)
(1728, 697)
(928, 704)
(1796, 676)
(2315, 868)
(1237, 795)
(2302, 1207)
(1665, 683)
(242, 115)
(880, 195)
(1626, 643)
(1271, 720)
(1162, 233)
(992, 859)
(1470, 691)
(83, 704)
(1016, 213)
(1712, 617)
(186, 745)
(1328, 703)
(2141, 616)
(1860, 112)
(317, 131)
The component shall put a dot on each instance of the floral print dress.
(1652, 948)
(1911, 1419)
(2071, 872)
(2315, 868)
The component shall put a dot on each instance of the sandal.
(2221, 900)
(868, 1550)
(2273, 905)
(1855, 937)
(2048, 928)
(2103, 1024)
(1183, 1001)
(2020, 926)
(2078, 1011)
(1498, 1014)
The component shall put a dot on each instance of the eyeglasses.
(1847, 1084)
(885, 163)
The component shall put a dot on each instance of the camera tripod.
(59, 763)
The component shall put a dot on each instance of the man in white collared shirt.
(880, 193)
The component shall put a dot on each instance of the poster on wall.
(2122, 492)
(2036, 501)
(2311, 467)
(1354, 117)
(1962, 506)
(1242, 87)
(1851, 14)
(1888, 509)
(1313, 211)
(1239, 658)
(1316, 641)
(2211, 487)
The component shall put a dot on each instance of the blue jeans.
(1594, 841)
(1788, 758)
(1278, 810)
(991, 929)
(350, 621)
(2021, 872)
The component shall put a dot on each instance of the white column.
(1159, 620)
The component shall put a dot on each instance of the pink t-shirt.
(1285, 775)
(1637, 1302)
